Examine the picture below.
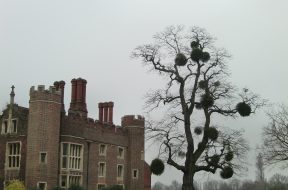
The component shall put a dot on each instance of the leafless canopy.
(275, 137)
(197, 82)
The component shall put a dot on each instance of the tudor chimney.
(106, 112)
(60, 85)
(78, 98)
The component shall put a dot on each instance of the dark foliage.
(229, 156)
(157, 166)
(212, 133)
(198, 130)
(196, 54)
(227, 172)
(75, 187)
(243, 109)
(202, 84)
(114, 187)
(194, 44)
(205, 57)
(217, 83)
(207, 100)
(214, 160)
(181, 59)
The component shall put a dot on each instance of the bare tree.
(278, 182)
(196, 75)
(260, 168)
(275, 137)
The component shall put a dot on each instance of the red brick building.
(45, 147)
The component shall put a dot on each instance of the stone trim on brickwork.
(48, 101)
(7, 155)
(42, 182)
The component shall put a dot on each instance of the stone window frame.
(137, 173)
(7, 155)
(104, 170)
(105, 185)
(67, 181)
(104, 153)
(16, 127)
(9, 131)
(69, 157)
(122, 172)
(5, 127)
(118, 152)
(40, 157)
(43, 182)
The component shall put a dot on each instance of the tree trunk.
(188, 183)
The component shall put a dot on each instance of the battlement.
(45, 94)
(41, 88)
(132, 120)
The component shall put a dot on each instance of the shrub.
(15, 185)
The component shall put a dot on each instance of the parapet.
(133, 120)
(46, 94)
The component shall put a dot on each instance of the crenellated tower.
(135, 171)
(45, 107)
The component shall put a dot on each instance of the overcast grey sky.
(45, 41)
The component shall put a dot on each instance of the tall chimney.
(105, 105)
(78, 98)
(100, 106)
(73, 93)
(110, 115)
(60, 85)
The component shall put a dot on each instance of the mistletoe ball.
(157, 166)
(180, 59)
(196, 54)
(194, 44)
(243, 109)
(227, 172)
(207, 100)
(212, 133)
(198, 130)
(202, 84)
(205, 57)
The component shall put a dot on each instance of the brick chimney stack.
(60, 85)
(110, 112)
(78, 98)
(106, 112)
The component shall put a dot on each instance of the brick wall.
(43, 136)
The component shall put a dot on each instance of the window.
(14, 126)
(102, 169)
(120, 171)
(135, 173)
(75, 156)
(120, 153)
(43, 157)
(67, 180)
(102, 149)
(101, 186)
(6, 128)
(41, 185)
(63, 181)
(71, 156)
(13, 155)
